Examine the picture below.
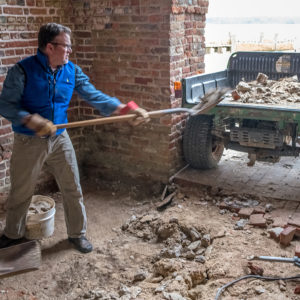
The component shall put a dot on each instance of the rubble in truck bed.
(284, 92)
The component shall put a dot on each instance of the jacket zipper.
(54, 83)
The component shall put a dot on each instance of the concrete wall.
(131, 49)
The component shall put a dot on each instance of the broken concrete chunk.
(140, 276)
(262, 78)
(240, 225)
(269, 207)
(243, 87)
(194, 234)
(200, 258)
(206, 240)
(195, 246)
(173, 296)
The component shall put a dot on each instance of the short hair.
(48, 32)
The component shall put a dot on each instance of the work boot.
(82, 244)
(7, 242)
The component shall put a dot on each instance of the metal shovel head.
(210, 100)
(22, 257)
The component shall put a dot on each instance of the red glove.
(142, 115)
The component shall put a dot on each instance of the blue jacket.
(32, 87)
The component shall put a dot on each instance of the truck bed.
(246, 66)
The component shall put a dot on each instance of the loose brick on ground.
(280, 221)
(259, 210)
(287, 235)
(275, 233)
(295, 219)
(297, 233)
(246, 212)
(258, 220)
(297, 250)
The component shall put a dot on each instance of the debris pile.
(285, 91)
(179, 240)
(180, 265)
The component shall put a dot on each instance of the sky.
(253, 8)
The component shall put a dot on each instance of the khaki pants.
(30, 153)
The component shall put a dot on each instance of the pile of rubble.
(285, 91)
(283, 225)
(181, 260)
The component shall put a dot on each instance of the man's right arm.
(10, 98)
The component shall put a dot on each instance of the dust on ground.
(188, 250)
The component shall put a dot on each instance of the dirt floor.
(186, 251)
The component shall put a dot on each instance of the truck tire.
(201, 149)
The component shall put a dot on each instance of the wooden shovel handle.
(116, 119)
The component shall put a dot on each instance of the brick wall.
(19, 23)
(135, 50)
(131, 49)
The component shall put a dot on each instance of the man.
(35, 96)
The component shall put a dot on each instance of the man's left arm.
(107, 105)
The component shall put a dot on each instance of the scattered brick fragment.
(297, 290)
(258, 220)
(287, 235)
(245, 212)
(295, 220)
(259, 210)
(297, 233)
(255, 270)
(275, 233)
(280, 221)
(297, 250)
(235, 95)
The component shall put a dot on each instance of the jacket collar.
(43, 59)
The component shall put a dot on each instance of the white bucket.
(40, 224)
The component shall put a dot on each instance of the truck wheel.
(201, 149)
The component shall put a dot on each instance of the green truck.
(266, 132)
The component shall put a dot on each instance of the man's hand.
(40, 125)
(142, 115)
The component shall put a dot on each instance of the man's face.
(59, 50)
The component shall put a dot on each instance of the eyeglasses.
(69, 47)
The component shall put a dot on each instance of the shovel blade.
(22, 257)
(210, 100)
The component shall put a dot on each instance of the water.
(215, 33)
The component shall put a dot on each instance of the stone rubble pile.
(181, 261)
(285, 91)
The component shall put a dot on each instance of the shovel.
(209, 101)
(21, 257)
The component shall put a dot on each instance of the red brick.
(297, 250)
(295, 220)
(280, 221)
(13, 10)
(258, 220)
(259, 210)
(246, 212)
(297, 290)
(287, 235)
(297, 233)
(275, 233)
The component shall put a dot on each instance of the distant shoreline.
(253, 20)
